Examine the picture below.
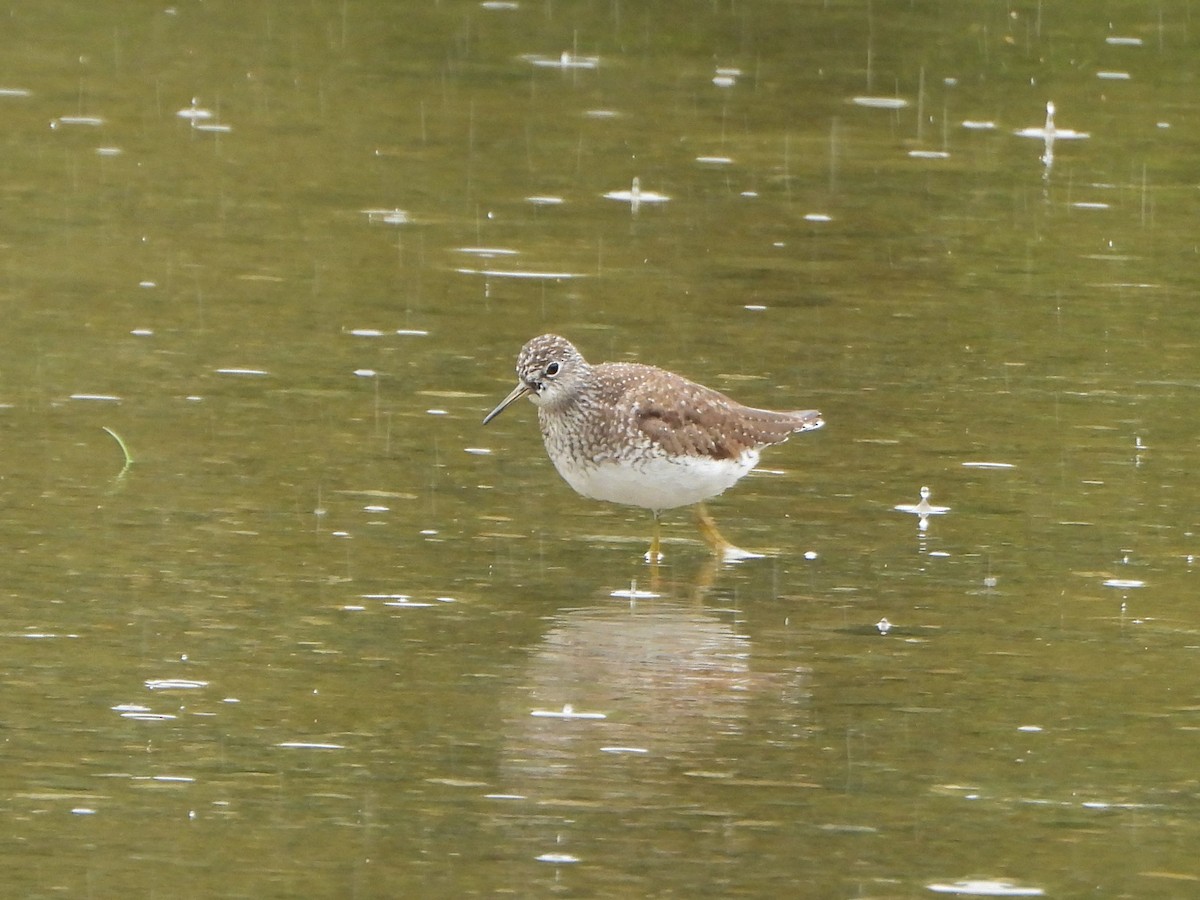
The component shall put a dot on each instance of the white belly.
(657, 483)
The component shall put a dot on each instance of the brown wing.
(688, 419)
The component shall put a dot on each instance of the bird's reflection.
(658, 681)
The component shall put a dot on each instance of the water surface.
(326, 635)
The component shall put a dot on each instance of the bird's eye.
(552, 370)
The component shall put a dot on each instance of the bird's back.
(684, 418)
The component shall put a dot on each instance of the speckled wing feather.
(689, 419)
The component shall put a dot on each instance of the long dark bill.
(517, 393)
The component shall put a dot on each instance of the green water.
(327, 636)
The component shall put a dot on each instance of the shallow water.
(326, 635)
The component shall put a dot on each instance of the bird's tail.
(808, 420)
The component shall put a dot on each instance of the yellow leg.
(654, 554)
(717, 541)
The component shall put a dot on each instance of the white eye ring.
(552, 369)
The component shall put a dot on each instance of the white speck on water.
(635, 196)
(41, 635)
(365, 373)
(924, 508)
(15, 92)
(366, 332)
(1083, 204)
(83, 811)
(810, 554)
(884, 626)
(175, 684)
(567, 712)
(487, 251)
(1049, 131)
(928, 154)
(755, 307)
(537, 200)
(817, 217)
(1124, 583)
(194, 113)
(501, 273)
(142, 332)
(1114, 76)
(564, 60)
(308, 745)
(500, 4)
(880, 102)
(387, 216)
(147, 284)
(981, 887)
(1123, 41)
(214, 127)
(429, 532)
(1030, 728)
(89, 121)
(477, 451)
(715, 160)
(624, 750)
(726, 77)
(632, 593)
(988, 465)
(412, 332)
(99, 398)
(239, 371)
(375, 508)
(109, 151)
(436, 412)
(978, 125)
(601, 113)
(557, 858)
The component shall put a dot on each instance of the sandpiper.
(642, 436)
